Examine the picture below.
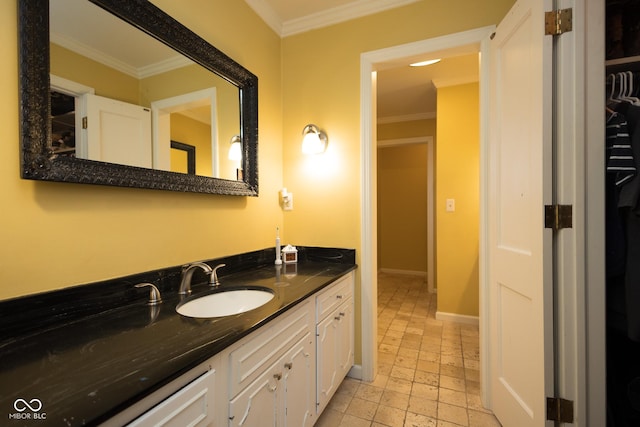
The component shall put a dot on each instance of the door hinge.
(558, 217)
(560, 410)
(558, 22)
(84, 123)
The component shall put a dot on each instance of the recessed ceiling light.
(423, 63)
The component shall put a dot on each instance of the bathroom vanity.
(97, 354)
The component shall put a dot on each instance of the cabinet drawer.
(192, 406)
(267, 345)
(330, 298)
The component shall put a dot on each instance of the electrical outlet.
(451, 205)
(287, 202)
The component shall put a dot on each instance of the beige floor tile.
(425, 390)
(340, 402)
(482, 419)
(329, 418)
(389, 416)
(402, 373)
(349, 420)
(422, 406)
(452, 371)
(453, 414)
(380, 381)
(427, 366)
(424, 377)
(452, 383)
(395, 399)
(362, 408)
(399, 385)
(453, 397)
(418, 420)
(348, 386)
(369, 392)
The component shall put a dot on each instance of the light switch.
(451, 205)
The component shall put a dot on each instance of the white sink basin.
(225, 303)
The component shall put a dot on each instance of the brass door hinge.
(558, 22)
(560, 410)
(558, 217)
(84, 123)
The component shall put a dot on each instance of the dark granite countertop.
(88, 352)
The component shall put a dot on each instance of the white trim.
(458, 318)
(161, 125)
(369, 285)
(405, 141)
(431, 218)
(406, 118)
(90, 52)
(69, 87)
(352, 10)
(403, 272)
(324, 18)
(355, 372)
(456, 81)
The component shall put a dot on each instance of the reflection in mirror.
(63, 72)
(142, 94)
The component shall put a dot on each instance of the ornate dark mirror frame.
(36, 161)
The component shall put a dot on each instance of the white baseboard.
(459, 318)
(355, 372)
(403, 272)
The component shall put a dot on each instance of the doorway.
(470, 41)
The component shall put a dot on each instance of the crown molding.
(324, 18)
(99, 56)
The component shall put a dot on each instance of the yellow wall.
(457, 177)
(402, 208)
(55, 235)
(192, 132)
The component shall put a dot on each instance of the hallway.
(428, 370)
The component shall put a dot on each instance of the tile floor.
(428, 370)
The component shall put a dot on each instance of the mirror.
(193, 96)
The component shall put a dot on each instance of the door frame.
(476, 39)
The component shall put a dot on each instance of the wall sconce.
(314, 141)
(235, 150)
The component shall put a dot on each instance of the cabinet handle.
(277, 376)
(339, 296)
(342, 314)
(288, 365)
(337, 318)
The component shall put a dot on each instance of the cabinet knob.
(337, 317)
(288, 365)
(277, 376)
(339, 296)
(341, 314)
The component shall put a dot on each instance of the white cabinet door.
(345, 337)
(257, 405)
(299, 372)
(191, 406)
(327, 351)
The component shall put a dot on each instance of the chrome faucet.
(187, 273)
(214, 276)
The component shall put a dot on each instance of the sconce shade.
(314, 141)
(235, 150)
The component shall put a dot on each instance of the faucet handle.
(154, 294)
(213, 280)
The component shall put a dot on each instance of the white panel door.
(520, 180)
(117, 132)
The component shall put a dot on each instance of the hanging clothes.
(623, 126)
